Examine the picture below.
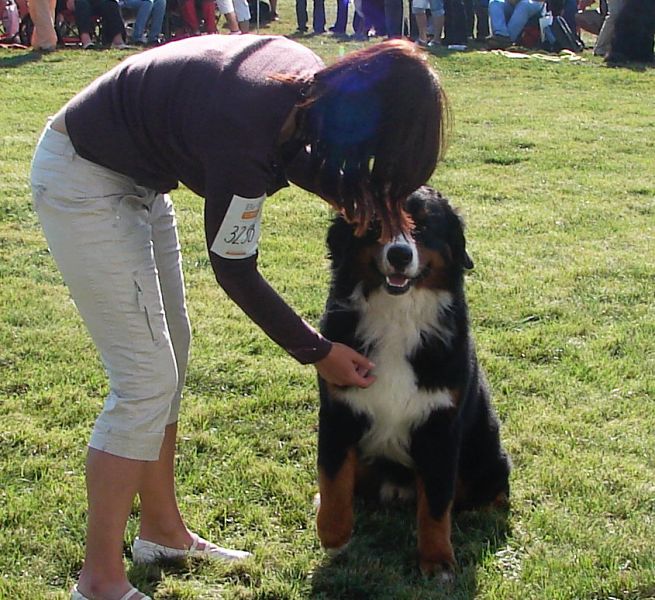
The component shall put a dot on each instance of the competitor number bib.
(238, 234)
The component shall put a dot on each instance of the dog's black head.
(433, 257)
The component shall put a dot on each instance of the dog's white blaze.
(411, 270)
(395, 405)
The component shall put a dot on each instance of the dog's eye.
(418, 233)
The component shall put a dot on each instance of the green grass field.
(551, 165)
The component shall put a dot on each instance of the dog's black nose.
(399, 255)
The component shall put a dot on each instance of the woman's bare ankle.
(172, 537)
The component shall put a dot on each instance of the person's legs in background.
(500, 12)
(156, 22)
(481, 10)
(318, 17)
(83, 21)
(393, 18)
(44, 36)
(523, 12)
(226, 8)
(143, 10)
(409, 22)
(375, 18)
(341, 21)
(468, 11)
(438, 17)
(419, 10)
(604, 40)
(359, 20)
(455, 23)
(242, 12)
(301, 15)
(113, 27)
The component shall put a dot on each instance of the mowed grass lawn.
(552, 166)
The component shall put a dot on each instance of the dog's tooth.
(397, 280)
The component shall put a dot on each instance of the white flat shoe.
(144, 551)
(76, 595)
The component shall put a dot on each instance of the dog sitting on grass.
(426, 425)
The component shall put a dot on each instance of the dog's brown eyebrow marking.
(363, 266)
(435, 262)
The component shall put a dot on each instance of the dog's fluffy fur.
(426, 425)
(634, 33)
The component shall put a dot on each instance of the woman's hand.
(344, 367)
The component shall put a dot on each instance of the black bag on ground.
(560, 37)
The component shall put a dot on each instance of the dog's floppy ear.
(338, 240)
(468, 261)
(458, 240)
(460, 253)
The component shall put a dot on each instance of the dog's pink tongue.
(397, 280)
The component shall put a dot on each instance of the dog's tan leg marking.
(335, 514)
(434, 547)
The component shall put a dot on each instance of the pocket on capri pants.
(149, 301)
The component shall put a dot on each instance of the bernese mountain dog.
(425, 427)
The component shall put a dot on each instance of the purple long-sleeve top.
(207, 112)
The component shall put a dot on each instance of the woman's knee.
(137, 409)
(133, 421)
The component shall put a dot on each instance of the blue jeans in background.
(152, 10)
(509, 20)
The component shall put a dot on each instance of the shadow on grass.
(381, 560)
(11, 62)
(147, 577)
(156, 578)
(637, 67)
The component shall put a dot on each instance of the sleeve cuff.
(312, 354)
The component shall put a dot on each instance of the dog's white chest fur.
(392, 325)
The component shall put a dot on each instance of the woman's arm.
(241, 280)
(239, 277)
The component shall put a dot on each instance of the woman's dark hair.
(375, 126)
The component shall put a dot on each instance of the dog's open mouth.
(397, 284)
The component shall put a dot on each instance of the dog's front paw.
(443, 570)
(334, 552)
(334, 532)
(437, 559)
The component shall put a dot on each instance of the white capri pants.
(117, 247)
(240, 7)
